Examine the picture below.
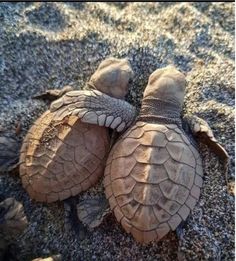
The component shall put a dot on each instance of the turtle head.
(112, 77)
(167, 84)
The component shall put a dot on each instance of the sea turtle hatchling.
(61, 158)
(154, 171)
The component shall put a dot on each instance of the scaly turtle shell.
(152, 179)
(60, 159)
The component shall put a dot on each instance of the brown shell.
(61, 159)
(152, 180)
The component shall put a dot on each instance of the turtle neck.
(160, 111)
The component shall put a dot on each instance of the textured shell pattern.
(152, 179)
(62, 159)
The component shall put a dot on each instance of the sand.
(50, 45)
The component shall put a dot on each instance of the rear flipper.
(95, 107)
(202, 131)
(72, 223)
(91, 212)
(179, 230)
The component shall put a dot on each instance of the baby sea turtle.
(62, 157)
(154, 172)
(13, 222)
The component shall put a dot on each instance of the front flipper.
(91, 212)
(52, 95)
(95, 107)
(202, 131)
(179, 230)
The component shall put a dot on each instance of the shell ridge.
(176, 183)
(131, 192)
(168, 200)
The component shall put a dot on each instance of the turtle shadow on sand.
(36, 66)
(119, 23)
(214, 15)
(204, 40)
(47, 17)
(48, 64)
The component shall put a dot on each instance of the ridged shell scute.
(62, 159)
(152, 179)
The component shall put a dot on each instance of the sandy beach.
(50, 45)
